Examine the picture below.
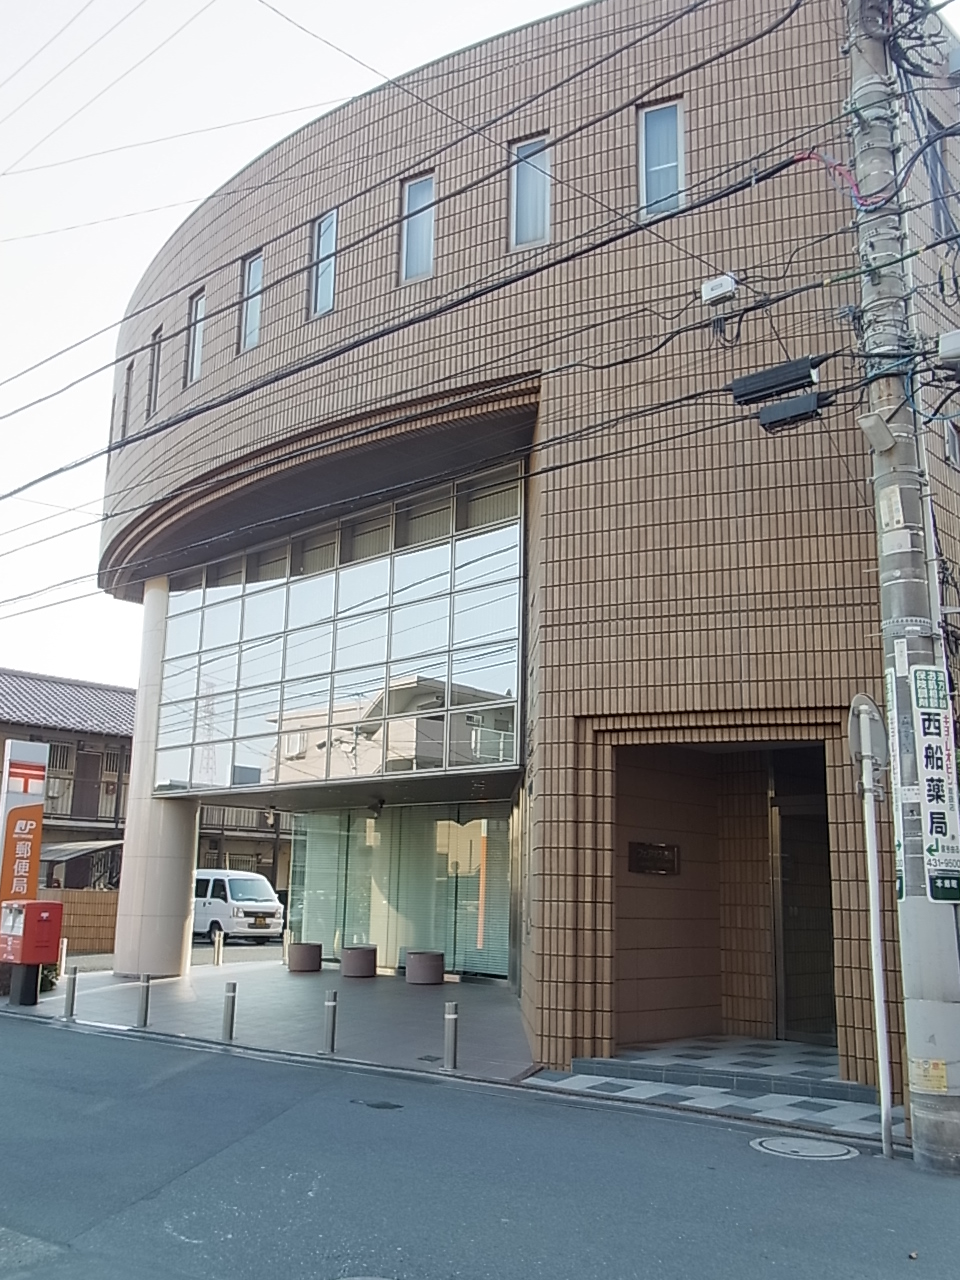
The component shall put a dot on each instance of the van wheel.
(215, 928)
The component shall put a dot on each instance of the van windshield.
(252, 890)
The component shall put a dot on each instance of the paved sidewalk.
(381, 1020)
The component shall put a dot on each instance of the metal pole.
(62, 958)
(330, 1023)
(451, 1023)
(70, 995)
(868, 769)
(928, 930)
(218, 948)
(143, 1013)
(285, 947)
(229, 1011)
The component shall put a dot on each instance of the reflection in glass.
(303, 755)
(186, 591)
(418, 574)
(211, 765)
(418, 628)
(482, 737)
(179, 679)
(424, 519)
(484, 675)
(487, 557)
(308, 652)
(417, 685)
(263, 613)
(363, 587)
(183, 635)
(356, 751)
(218, 672)
(224, 579)
(361, 641)
(258, 710)
(491, 613)
(172, 769)
(221, 624)
(489, 499)
(176, 724)
(414, 744)
(307, 698)
(310, 600)
(255, 762)
(264, 567)
(355, 693)
(260, 662)
(215, 717)
(424, 876)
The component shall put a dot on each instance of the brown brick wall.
(691, 580)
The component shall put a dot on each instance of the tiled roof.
(54, 702)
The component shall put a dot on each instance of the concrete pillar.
(160, 845)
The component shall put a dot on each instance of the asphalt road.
(126, 1160)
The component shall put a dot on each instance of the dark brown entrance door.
(86, 785)
(803, 904)
(808, 998)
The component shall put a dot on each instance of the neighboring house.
(89, 728)
(453, 543)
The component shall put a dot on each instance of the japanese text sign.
(937, 776)
(21, 818)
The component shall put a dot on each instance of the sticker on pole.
(937, 776)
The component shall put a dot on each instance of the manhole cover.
(804, 1148)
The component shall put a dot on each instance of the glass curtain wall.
(386, 643)
(420, 877)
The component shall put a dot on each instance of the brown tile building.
(443, 351)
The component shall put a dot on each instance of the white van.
(238, 904)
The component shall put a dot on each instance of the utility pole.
(912, 645)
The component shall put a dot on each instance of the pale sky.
(62, 279)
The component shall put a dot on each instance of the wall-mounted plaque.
(653, 859)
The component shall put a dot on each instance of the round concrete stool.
(425, 968)
(358, 962)
(304, 957)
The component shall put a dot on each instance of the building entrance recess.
(723, 895)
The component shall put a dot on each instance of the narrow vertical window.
(416, 229)
(324, 261)
(195, 315)
(530, 193)
(251, 277)
(939, 180)
(661, 160)
(126, 401)
(153, 376)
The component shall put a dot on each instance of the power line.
(46, 45)
(380, 495)
(73, 61)
(431, 313)
(153, 142)
(106, 89)
(577, 433)
(358, 195)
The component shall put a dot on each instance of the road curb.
(521, 1084)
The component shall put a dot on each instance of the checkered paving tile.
(856, 1118)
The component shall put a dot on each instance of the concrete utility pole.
(912, 644)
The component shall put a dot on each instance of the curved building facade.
(454, 544)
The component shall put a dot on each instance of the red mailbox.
(30, 932)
